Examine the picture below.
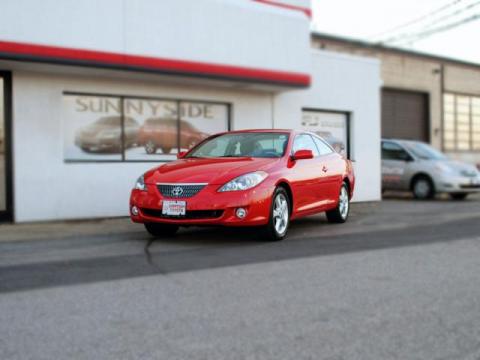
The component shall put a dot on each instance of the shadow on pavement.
(208, 248)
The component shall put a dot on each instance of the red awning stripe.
(56, 54)
(305, 10)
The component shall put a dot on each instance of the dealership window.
(123, 128)
(461, 126)
(332, 126)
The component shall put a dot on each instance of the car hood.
(459, 167)
(212, 171)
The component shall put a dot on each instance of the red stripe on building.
(305, 10)
(123, 61)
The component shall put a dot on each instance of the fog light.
(134, 210)
(241, 213)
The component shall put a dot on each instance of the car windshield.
(113, 120)
(424, 151)
(260, 145)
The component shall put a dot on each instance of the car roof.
(261, 131)
(404, 141)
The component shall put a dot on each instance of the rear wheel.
(458, 196)
(166, 150)
(161, 230)
(340, 213)
(277, 226)
(422, 188)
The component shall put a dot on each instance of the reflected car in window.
(263, 178)
(161, 133)
(418, 167)
(337, 144)
(105, 135)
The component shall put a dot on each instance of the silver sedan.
(418, 167)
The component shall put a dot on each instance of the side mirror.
(407, 158)
(302, 155)
(181, 154)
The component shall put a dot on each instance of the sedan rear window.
(260, 145)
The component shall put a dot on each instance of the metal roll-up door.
(405, 115)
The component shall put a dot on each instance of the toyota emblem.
(177, 191)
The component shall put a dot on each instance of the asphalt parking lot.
(400, 280)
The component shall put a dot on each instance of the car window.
(130, 122)
(323, 148)
(305, 142)
(186, 125)
(392, 151)
(424, 151)
(262, 145)
(114, 120)
(161, 121)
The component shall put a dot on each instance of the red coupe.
(246, 178)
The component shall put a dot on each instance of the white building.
(82, 79)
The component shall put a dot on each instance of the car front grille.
(189, 214)
(179, 191)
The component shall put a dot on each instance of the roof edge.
(392, 49)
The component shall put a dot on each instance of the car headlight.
(244, 182)
(140, 184)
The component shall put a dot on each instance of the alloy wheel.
(422, 189)
(280, 214)
(343, 204)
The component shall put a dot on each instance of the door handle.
(324, 168)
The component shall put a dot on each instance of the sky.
(366, 19)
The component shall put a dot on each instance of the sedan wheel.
(423, 188)
(277, 226)
(340, 213)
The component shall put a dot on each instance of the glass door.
(5, 173)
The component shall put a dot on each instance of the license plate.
(174, 208)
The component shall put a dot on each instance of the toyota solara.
(263, 178)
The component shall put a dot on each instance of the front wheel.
(423, 188)
(340, 213)
(279, 219)
(150, 147)
(161, 230)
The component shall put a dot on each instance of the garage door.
(405, 115)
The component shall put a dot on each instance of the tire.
(279, 218)
(161, 230)
(340, 214)
(458, 196)
(166, 150)
(150, 147)
(422, 188)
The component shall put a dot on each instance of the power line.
(426, 33)
(417, 20)
(428, 26)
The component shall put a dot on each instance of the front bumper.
(207, 207)
(458, 185)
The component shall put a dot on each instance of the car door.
(395, 161)
(305, 176)
(333, 168)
